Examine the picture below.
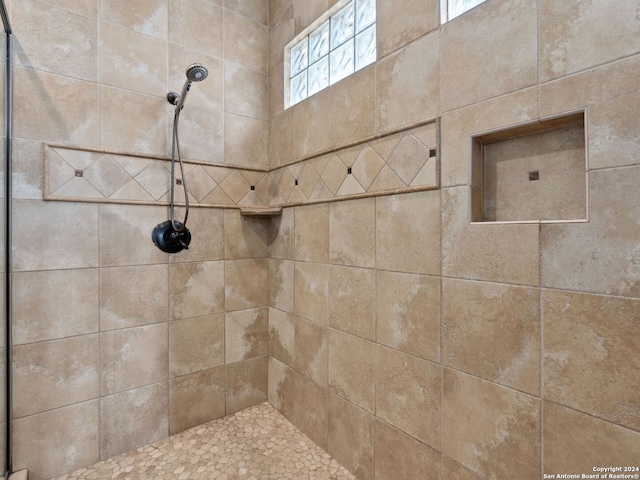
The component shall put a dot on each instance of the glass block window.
(453, 8)
(338, 44)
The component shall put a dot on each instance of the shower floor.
(255, 444)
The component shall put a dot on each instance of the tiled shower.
(349, 261)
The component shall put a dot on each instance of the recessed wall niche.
(531, 172)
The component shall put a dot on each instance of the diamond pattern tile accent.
(236, 186)
(200, 184)
(155, 179)
(389, 163)
(408, 158)
(106, 175)
(367, 166)
(308, 179)
(334, 174)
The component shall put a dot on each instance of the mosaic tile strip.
(404, 160)
(102, 176)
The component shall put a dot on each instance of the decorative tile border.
(74, 174)
(402, 161)
(396, 162)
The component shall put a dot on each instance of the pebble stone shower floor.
(255, 444)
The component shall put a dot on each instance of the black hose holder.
(170, 240)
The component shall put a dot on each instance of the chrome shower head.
(195, 73)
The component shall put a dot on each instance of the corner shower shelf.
(261, 211)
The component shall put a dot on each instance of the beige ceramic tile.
(69, 223)
(601, 256)
(196, 25)
(54, 374)
(310, 408)
(407, 82)
(312, 291)
(574, 442)
(142, 69)
(399, 456)
(452, 470)
(307, 12)
(125, 235)
(39, 101)
(458, 126)
(196, 289)
(246, 284)
(500, 437)
(257, 10)
(196, 399)
(246, 141)
(609, 92)
(576, 35)
(246, 334)
(58, 441)
(408, 232)
(408, 313)
(281, 284)
(71, 49)
(590, 341)
(354, 107)
(311, 350)
(245, 42)
(400, 23)
(207, 236)
(489, 51)
(281, 139)
(245, 91)
(54, 304)
(477, 317)
(350, 438)
(408, 395)
(281, 387)
(352, 300)
(499, 253)
(281, 235)
(276, 67)
(196, 344)
(27, 169)
(281, 336)
(352, 233)
(133, 419)
(313, 123)
(352, 369)
(149, 17)
(312, 233)
(247, 383)
(245, 237)
(133, 296)
(132, 122)
(277, 9)
(83, 7)
(133, 357)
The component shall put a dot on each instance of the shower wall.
(117, 344)
(410, 343)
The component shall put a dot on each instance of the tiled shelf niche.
(535, 172)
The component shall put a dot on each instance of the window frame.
(305, 33)
(444, 11)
